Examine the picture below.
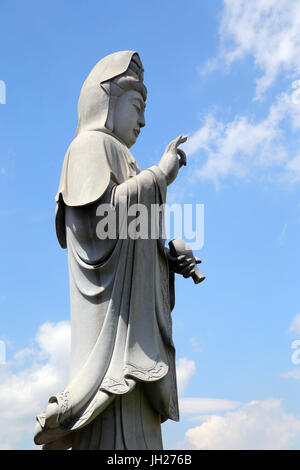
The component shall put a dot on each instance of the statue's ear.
(60, 222)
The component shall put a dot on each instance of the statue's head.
(113, 97)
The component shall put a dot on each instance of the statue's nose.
(141, 121)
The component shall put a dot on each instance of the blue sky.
(226, 74)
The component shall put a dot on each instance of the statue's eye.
(137, 108)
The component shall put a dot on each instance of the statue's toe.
(52, 415)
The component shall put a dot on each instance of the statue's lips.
(136, 132)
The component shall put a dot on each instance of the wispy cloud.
(195, 344)
(195, 405)
(282, 235)
(245, 146)
(267, 30)
(291, 374)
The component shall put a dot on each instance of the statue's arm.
(167, 169)
(143, 180)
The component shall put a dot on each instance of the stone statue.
(122, 381)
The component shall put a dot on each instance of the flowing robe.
(122, 354)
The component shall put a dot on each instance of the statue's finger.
(188, 269)
(181, 139)
(173, 144)
(189, 274)
(183, 265)
(183, 258)
(182, 157)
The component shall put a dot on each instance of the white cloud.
(255, 425)
(194, 405)
(24, 394)
(185, 369)
(294, 327)
(293, 167)
(292, 374)
(267, 30)
(246, 146)
(23, 354)
(282, 235)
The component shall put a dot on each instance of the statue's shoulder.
(86, 169)
(94, 142)
(87, 139)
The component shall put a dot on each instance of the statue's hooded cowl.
(121, 331)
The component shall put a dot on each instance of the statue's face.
(129, 116)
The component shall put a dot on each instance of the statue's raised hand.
(173, 159)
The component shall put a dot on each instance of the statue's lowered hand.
(183, 260)
(173, 159)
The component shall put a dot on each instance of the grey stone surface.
(122, 381)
